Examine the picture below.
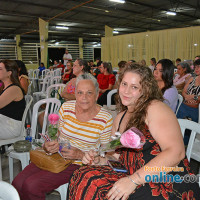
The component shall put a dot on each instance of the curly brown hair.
(149, 89)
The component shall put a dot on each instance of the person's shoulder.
(105, 111)
(171, 90)
(157, 107)
(111, 75)
(69, 104)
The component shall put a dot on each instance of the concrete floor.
(17, 168)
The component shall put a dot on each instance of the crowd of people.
(147, 99)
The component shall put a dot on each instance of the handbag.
(53, 163)
(22, 146)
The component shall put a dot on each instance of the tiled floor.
(17, 168)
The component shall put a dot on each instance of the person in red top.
(60, 65)
(106, 82)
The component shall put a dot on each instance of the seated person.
(191, 94)
(79, 68)
(106, 82)
(41, 68)
(68, 75)
(23, 75)
(54, 65)
(153, 64)
(12, 102)
(141, 105)
(84, 125)
(183, 74)
(163, 74)
(60, 65)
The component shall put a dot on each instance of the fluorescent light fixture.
(171, 13)
(116, 32)
(118, 1)
(62, 27)
(57, 43)
(195, 44)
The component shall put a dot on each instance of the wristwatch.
(196, 97)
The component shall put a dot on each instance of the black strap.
(121, 120)
(7, 87)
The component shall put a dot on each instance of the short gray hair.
(186, 66)
(87, 76)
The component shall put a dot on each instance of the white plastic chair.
(55, 79)
(24, 157)
(180, 100)
(34, 78)
(57, 72)
(8, 192)
(30, 88)
(60, 87)
(41, 95)
(43, 75)
(55, 106)
(195, 128)
(193, 144)
(22, 131)
(109, 95)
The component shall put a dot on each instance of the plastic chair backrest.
(55, 79)
(46, 83)
(30, 87)
(109, 95)
(44, 73)
(59, 87)
(30, 73)
(194, 127)
(8, 192)
(52, 106)
(36, 73)
(57, 72)
(29, 100)
(180, 100)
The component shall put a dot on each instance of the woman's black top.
(15, 109)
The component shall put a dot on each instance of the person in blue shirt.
(41, 68)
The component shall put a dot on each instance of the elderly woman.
(183, 74)
(12, 102)
(82, 122)
(141, 106)
(191, 94)
(163, 73)
(80, 67)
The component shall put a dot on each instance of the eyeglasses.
(88, 93)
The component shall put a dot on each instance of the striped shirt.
(84, 135)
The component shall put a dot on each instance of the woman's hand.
(91, 158)
(73, 153)
(121, 189)
(189, 97)
(51, 147)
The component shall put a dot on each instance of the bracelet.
(132, 180)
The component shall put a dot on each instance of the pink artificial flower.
(53, 118)
(132, 138)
